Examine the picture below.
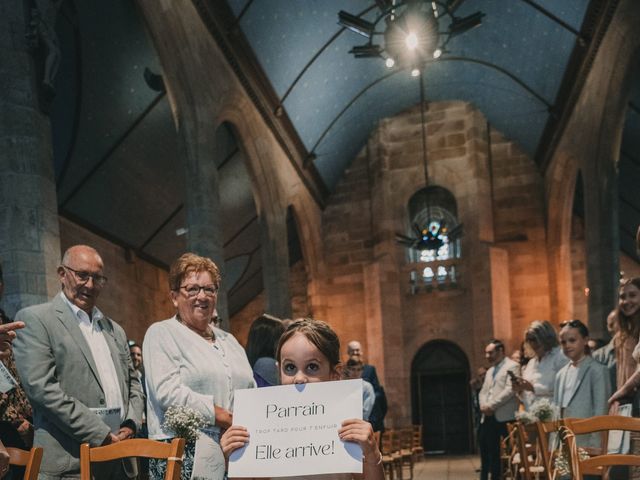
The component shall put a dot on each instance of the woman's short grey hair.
(543, 333)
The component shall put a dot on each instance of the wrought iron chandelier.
(410, 30)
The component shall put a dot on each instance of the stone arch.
(561, 188)
(592, 136)
(261, 155)
(440, 396)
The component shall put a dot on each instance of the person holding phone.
(538, 377)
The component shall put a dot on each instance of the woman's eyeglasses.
(194, 290)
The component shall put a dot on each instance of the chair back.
(508, 451)
(531, 463)
(30, 459)
(406, 438)
(137, 447)
(545, 429)
(395, 440)
(601, 423)
(386, 442)
(417, 435)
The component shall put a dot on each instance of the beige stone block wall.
(520, 230)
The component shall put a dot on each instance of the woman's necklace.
(207, 334)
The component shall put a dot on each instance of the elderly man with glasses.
(75, 365)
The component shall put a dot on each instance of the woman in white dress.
(539, 375)
(189, 362)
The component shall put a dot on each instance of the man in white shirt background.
(498, 405)
(77, 371)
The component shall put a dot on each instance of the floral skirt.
(158, 468)
(213, 471)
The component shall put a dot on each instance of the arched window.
(433, 216)
(433, 239)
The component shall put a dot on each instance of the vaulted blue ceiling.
(117, 161)
(511, 68)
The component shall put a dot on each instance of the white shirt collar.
(96, 314)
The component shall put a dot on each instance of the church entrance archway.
(441, 400)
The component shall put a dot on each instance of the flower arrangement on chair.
(183, 422)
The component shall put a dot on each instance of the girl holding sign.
(309, 351)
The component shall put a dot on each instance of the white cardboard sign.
(294, 429)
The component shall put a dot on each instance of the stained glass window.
(433, 217)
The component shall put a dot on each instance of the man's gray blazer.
(61, 381)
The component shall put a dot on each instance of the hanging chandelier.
(409, 31)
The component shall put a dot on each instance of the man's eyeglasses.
(83, 277)
(194, 290)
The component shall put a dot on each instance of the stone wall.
(241, 321)
(503, 278)
(579, 270)
(520, 229)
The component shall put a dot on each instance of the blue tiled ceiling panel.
(514, 37)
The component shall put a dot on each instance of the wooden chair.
(137, 447)
(29, 459)
(545, 430)
(508, 450)
(531, 464)
(598, 463)
(405, 437)
(416, 444)
(391, 460)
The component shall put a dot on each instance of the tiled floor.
(461, 467)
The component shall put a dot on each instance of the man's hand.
(7, 334)
(109, 439)
(486, 411)
(25, 430)
(125, 433)
(224, 419)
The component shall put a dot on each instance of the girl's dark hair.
(263, 338)
(629, 326)
(582, 330)
(319, 333)
(578, 325)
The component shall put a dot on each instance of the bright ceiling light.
(411, 40)
(436, 53)
(389, 62)
(415, 72)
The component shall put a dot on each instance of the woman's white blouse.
(542, 375)
(182, 368)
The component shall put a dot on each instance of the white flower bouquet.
(183, 422)
(562, 461)
(541, 409)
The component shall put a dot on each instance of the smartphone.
(512, 376)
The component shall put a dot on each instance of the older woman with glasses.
(538, 377)
(189, 362)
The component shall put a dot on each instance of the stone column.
(602, 243)
(29, 231)
(275, 263)
(202, 201)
